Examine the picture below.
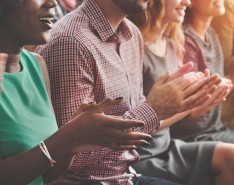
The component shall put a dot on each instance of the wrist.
(75, 135)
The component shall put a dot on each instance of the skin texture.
(175, 10)
(208, 8)
(26, 28)
(222, 160)
(3, 58)
(181, 100)
(131, 6)
(202, 15)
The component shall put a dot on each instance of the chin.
(219, 13)
(38, 41)
(178, 20)
(44, 38)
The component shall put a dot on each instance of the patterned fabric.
(89, 61)
(204, 54)
(68, 5)
(224, 27)
(171, 159)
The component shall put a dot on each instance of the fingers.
(131, 145)
(123, 136)
(194, 88)
(189, 79)
(107, 104)
(207, 72)
(212, 89)
(182, 70)
(120, 123)
(123, 147)
(226, 82)
(195, 100)
(203, 101)
(117, 139)
(83, 107)
(162, 80)
(3, 57)
(220, 95)
(212, 80)
(110, 135)
(130, 139)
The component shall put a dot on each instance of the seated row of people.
(166, 49)
(95, 53)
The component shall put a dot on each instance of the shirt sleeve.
(143, 111)
(146, 114)
(71, 75)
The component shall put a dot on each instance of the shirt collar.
(101, 24)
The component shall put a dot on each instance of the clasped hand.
(181, 91)
(96, 130)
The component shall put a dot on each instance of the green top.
(25, 110)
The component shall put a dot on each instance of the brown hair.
(150, 22)
(188, 16)
(7, 4)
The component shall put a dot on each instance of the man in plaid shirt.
(95, 53)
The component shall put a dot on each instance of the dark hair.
(188, 16)
(7, 4)
(2, 6)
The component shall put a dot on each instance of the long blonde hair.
(150, 23)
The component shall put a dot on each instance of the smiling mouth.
(181, 11)
(218, 3)
(46, 19)
(47, 22)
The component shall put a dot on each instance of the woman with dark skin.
(25, 123)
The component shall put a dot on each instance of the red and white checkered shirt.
(88, 61)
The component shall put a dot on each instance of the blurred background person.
(203, 48)
(224, 27)
(62, 8)
(110, 51)
(172, 158)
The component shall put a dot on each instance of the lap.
(144, 180)
(187, 163)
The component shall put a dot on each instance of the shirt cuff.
(146, 114)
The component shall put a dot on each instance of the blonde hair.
(150, 24)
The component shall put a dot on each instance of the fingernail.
(119, 98)
(146, 144)
(91, 102)
(134, 147)
(149, 139)
(141, 125)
